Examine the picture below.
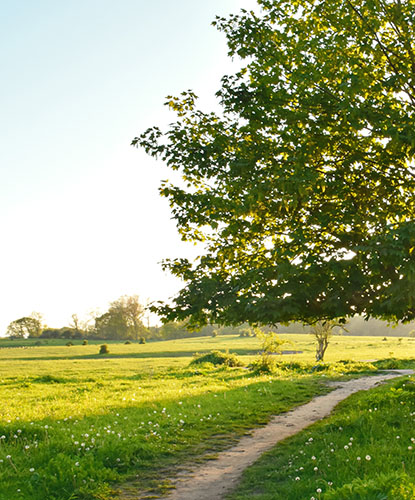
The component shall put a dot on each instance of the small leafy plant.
(271, 345)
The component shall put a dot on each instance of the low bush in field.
(263, 364)
(103, 349)
(344, 367)
(393, 363)
(217, 358)
(268, 364)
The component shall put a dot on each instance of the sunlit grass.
(74, 423)
(74, 426)
(340, 347)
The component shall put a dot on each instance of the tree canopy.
(302, 187)
(122, 320)
(27, 326)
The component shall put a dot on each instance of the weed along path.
(216, 478)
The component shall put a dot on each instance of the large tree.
(122, 320)
(302, 188)
(27, 326)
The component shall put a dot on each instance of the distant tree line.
(28, 326)
(124, 321)
(179, 330)
(361, 327)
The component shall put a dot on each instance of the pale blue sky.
(80, 217)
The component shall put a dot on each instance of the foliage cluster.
(333, 369)
(179, 329)
(123, 320)
(217, 358)
(27, 326)
(65, 332)
(270, 345)
(301, 189)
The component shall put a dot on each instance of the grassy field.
(340, 347)
(74, 424)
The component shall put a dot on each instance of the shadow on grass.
(134, 355)
(190, 429)
(277, 397)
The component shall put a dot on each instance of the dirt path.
(214, 479)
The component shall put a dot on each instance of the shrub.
(103, 349)
(85, 342)
(294, 366)
(321, 367)
(269, 364)
(127, 342)
(49, 379)
(245, 332)
(217, 358)
(142, 340)
(271, 344)
(69, 344)
(264, 364)
(393, 363)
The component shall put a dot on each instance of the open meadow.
(74, 424)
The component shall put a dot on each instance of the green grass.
(365, 451)
(76, 423)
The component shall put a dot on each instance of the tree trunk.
(321, 349)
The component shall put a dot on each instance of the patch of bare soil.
(214, 479)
